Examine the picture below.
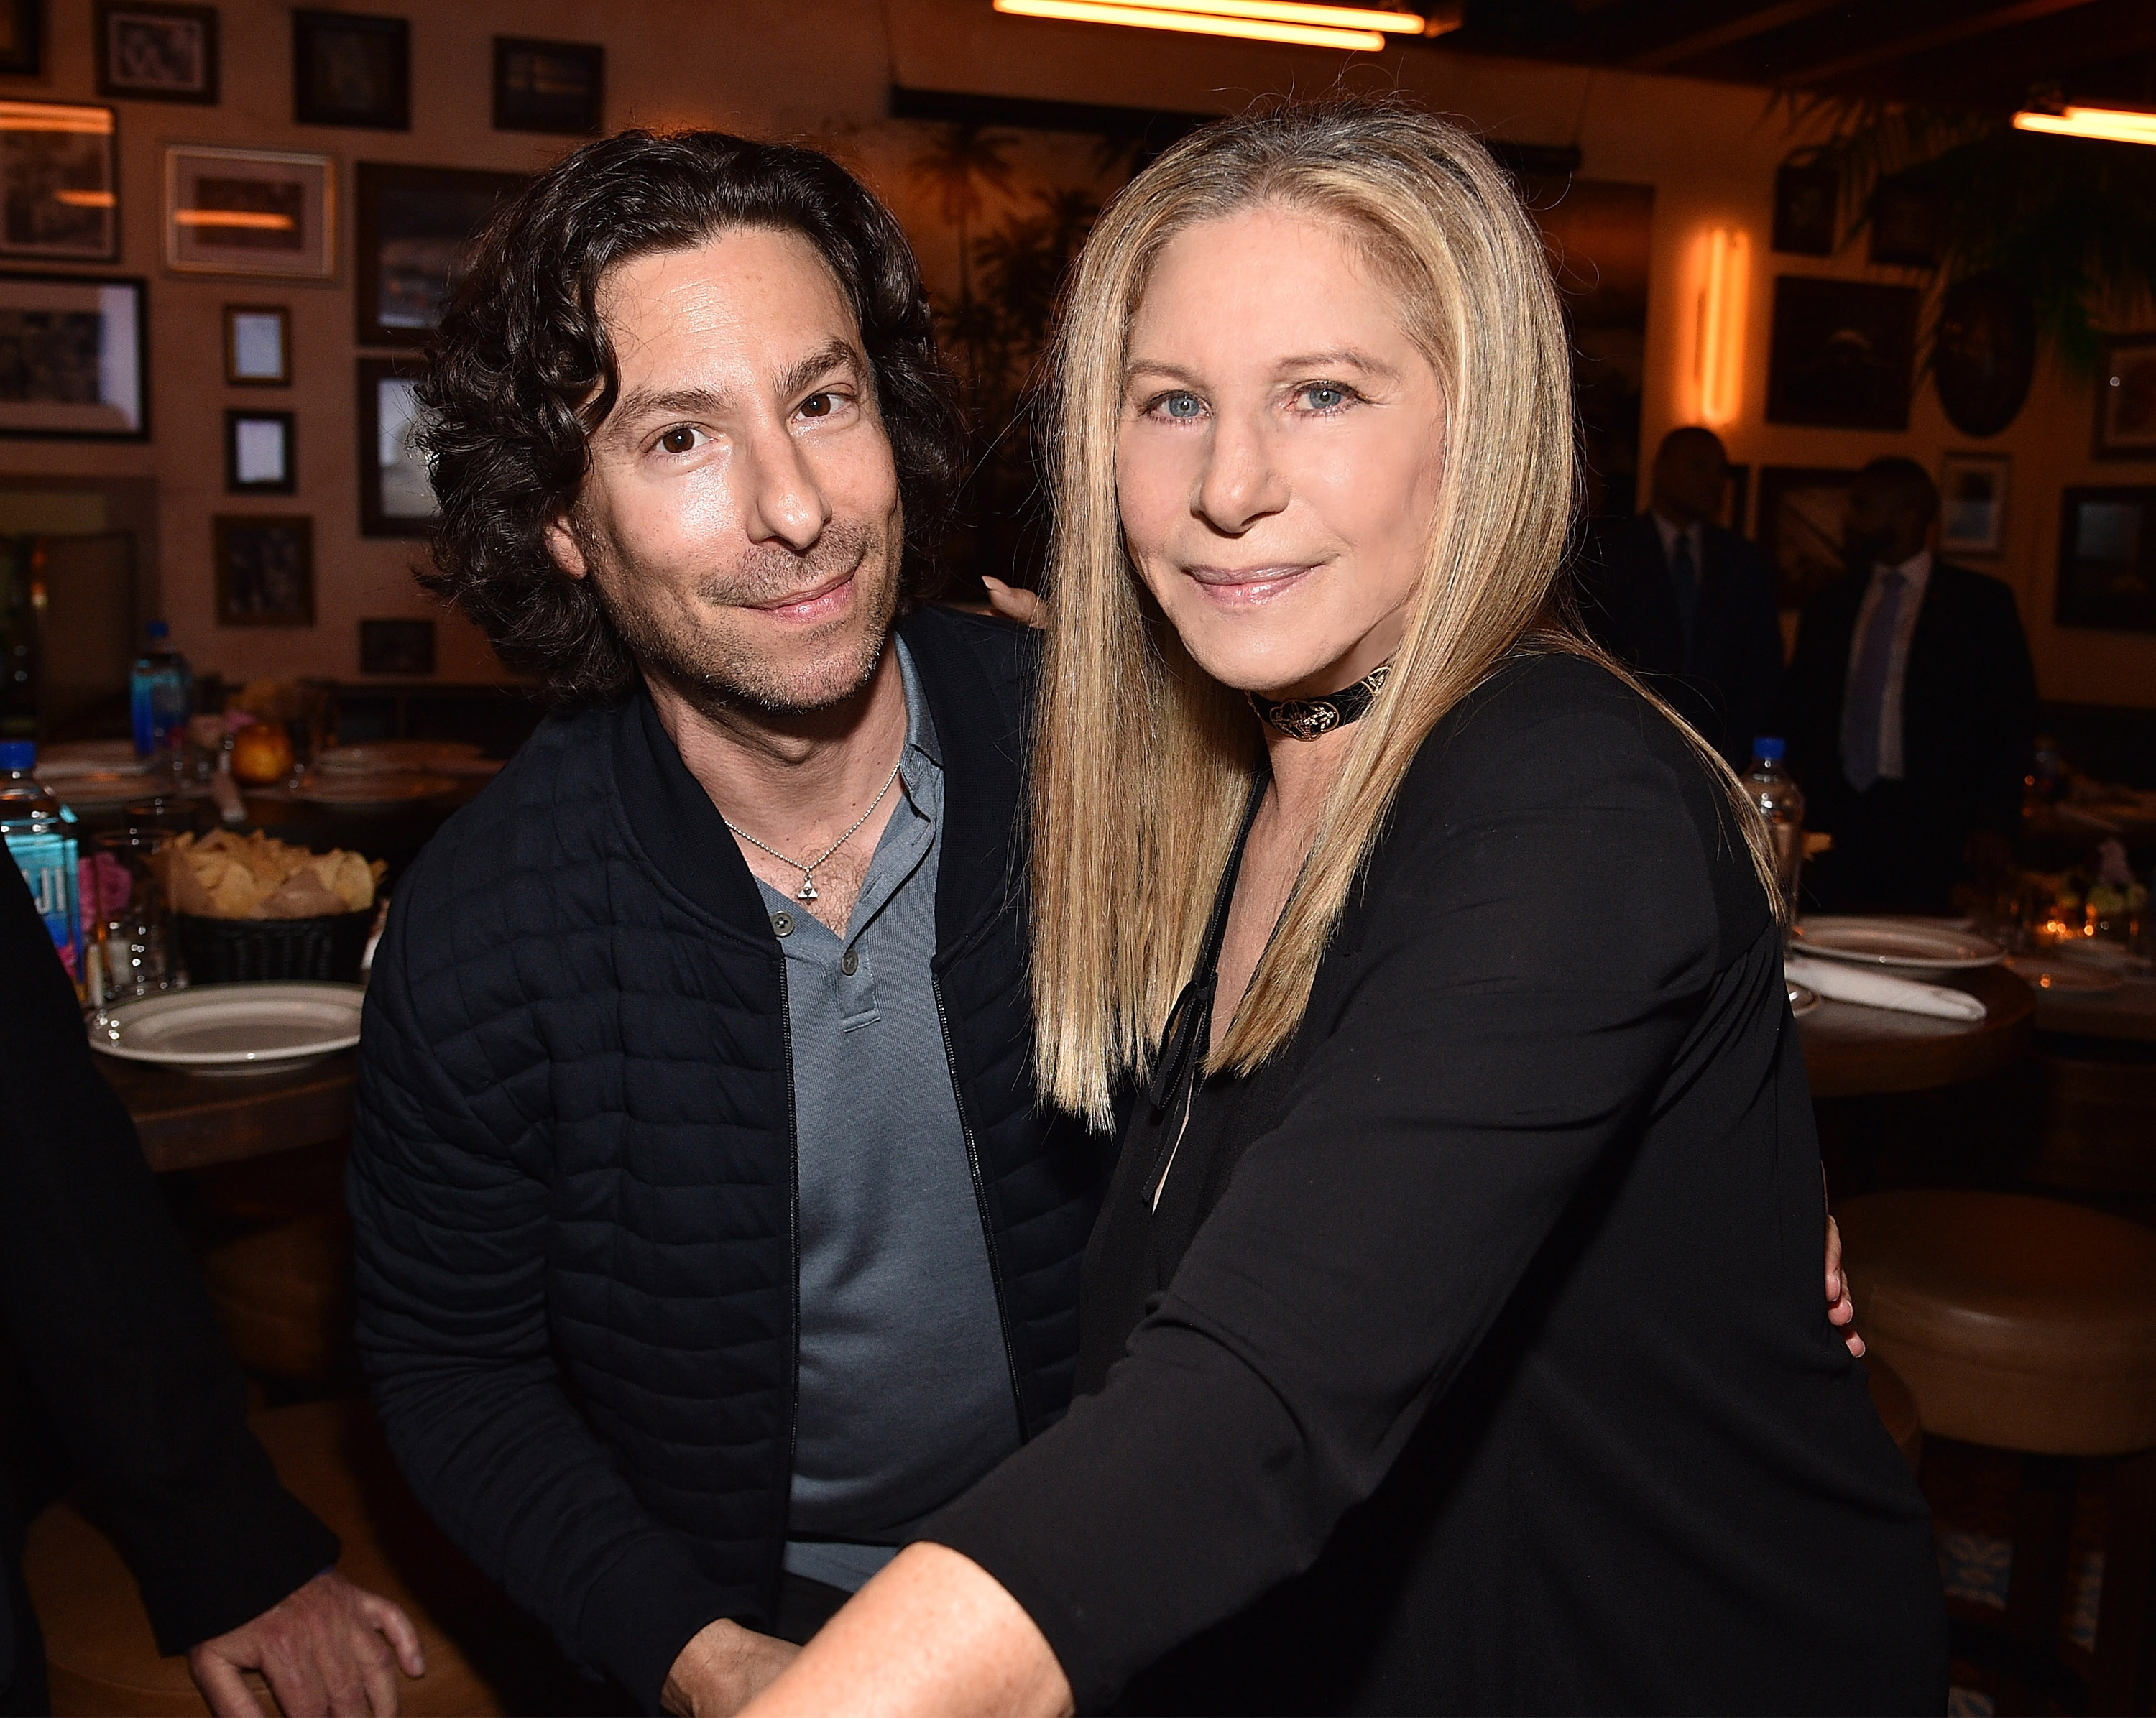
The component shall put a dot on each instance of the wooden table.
(1851, 1051)
(192, 1120)
(2128, 1013)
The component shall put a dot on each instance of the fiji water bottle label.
(47, 864)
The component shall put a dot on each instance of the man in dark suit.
(113, 1372)
(1689, 605)
(1911, 711)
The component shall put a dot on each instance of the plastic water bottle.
(161, 692)
(1781, 803)
(40, 833)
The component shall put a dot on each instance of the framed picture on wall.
(351, 69)
(265, 212)
(265, 569)
(76, 364)
(258, 345)
(1804, 210)
(2107, 559)
(60, 182)
(257, 453)
(1801, 514)
(1907, 222)
(548, 86)
(1973, 503)
(156, 53)
(22, 38)
(2126, 398)
(416, 226)
(1842, 353)
(396, 500)
(397, 647)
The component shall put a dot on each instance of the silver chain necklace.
(807, 891)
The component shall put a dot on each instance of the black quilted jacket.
(572, 1183)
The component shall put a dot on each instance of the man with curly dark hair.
(709, 1234)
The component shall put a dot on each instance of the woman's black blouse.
(1474, 1357)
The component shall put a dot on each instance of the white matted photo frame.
(258, 345)
(156, 53)
(396, 495)
(1973, 503)
(271, 212)
(59, 182)
(259, 459)
(73, 358)
(2126, 398)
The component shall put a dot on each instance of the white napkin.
(1848, 984)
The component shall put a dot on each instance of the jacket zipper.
(981, 1202)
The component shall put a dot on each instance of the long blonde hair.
(1141, 760)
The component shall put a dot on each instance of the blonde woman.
(1451, 1337)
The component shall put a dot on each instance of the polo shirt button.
(850, 964)
(783, 923)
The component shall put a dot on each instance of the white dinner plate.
(91, 757)
(1802, 1002)
(1882, 941)
(99, 787)
(234, 1027)
(2062, 974)
(381, 756)
(397, 789)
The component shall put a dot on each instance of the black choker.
(1307, 718)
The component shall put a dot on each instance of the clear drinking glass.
(126, 920)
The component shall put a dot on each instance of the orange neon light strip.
(1291, 12)
(2112, 124)
(1197, 24)
(261, 221)
(1720, 365)
(40, 116)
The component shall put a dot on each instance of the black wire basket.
(247, 951)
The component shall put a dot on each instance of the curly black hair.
(522, 372)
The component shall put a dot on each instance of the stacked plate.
(91, 774)
(1928, 945)
(233, 1029)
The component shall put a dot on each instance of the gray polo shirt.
(904, 1389)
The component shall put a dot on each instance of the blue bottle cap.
(1768, 747)
(19, 754)
(157, 631)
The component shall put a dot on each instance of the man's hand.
(723, 1669)
(1840, 1309)
(329, 1650)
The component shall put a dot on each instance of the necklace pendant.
(807, 891)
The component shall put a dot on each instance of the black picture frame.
(391, 489)
(59, 182)
(405, 648)
(1842, 353)
(243, 325)
(1800, 529)
(22, 38)
(265, 568)
(248, 434)
(87, 321)
(2107, 558)
(155, 52)
(1908, 225)
(1805, 203)
(2126, 399)
(415, 227)
(554, 87)
(351, 68)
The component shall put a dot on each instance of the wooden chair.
(2029, 1324)
(98, 1644)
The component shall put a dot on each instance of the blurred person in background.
(1909, 710)
(113, 1374)
(1688, 605)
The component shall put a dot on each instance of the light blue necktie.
(1864, 715)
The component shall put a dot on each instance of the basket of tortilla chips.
(247, 908)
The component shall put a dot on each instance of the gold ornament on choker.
(1307, 718)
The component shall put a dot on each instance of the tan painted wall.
(772, 66)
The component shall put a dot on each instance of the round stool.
(101, 1657)
(2029, 1324)
(1897, 1408)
